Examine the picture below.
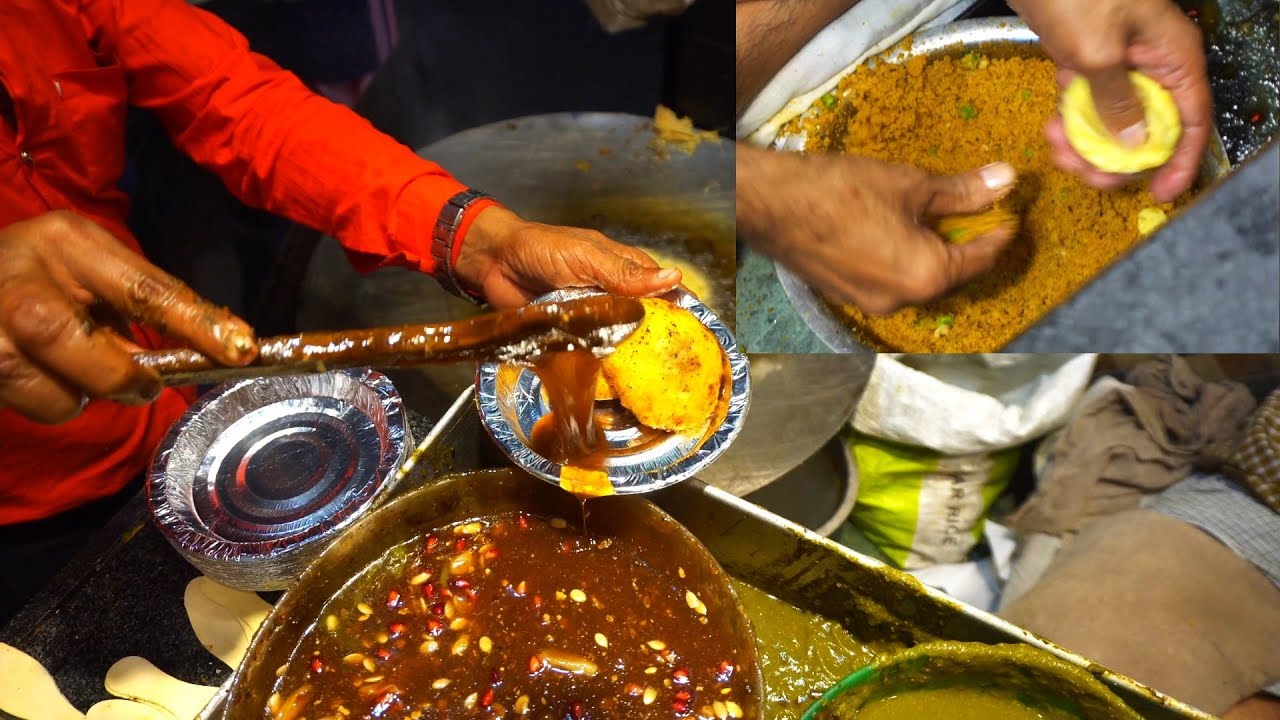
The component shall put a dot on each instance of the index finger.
(150, 296)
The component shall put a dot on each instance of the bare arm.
(771, 32)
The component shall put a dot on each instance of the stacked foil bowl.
(259, 476)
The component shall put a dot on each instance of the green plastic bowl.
(1034, 677)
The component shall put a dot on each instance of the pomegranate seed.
(682, 703)
(437, 609)
(382, 653)
(393, 599)
(396, 629)
(432, 542)
(487, 698)
(537, 602)
(724, 672)
(680, 676)
(495, 676)
(434, 627)
(429, 591)
(446, 592)
(460, 583)
(576, 710)
(460, 544)
(491, 554)
(535, 664)
(523, 522)
(317, 666)
(1255, 118)
(1193, 13)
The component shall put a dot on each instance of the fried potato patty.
(668, 373)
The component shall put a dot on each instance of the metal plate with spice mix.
(517, 615)
(948, 101)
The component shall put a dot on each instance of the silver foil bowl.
(260, 475)
(511, 401)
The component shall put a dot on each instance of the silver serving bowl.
(951, 39)
(511, 401)
(260, 475)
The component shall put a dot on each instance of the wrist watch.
(445, 235)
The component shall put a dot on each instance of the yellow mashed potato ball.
(1087, 134)
(1150, 219)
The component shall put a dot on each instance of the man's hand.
(511, 261)
(58, 272)
(1103, 40)
(852, 227)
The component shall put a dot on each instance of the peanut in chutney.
(950, 115)
(514, 616)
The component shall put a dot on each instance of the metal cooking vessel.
(461, 497)
(798, 403)
(951, 39)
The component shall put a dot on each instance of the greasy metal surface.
(798, 403)
(464, 497)
(819, 493)
(598, 170)
(511, 402)
(513, 335)
(258, 476)
(949, 39)
(814, 574)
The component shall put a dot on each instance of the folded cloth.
(1255, 463)
(1154, 598)
(1134, 440)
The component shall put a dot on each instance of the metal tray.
(951, 39)
(793, 564)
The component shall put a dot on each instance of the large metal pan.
(953, 39)
(466, 496)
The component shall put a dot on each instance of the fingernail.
(668, 275)
(1135, 134)
(238, 343)
(998, 175)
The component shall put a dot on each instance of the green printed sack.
(921, 507)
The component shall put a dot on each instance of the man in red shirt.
(68, 69)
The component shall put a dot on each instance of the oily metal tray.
(789, 562)
(988, 34)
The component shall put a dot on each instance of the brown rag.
(1133, 441)
(1158, 600)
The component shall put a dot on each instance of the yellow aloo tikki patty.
(1090, 137)
(669, 372)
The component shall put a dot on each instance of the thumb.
(969, 192)
(1118, 104)
(621, 275)
(968, 261)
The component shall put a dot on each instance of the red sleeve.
(276, 145)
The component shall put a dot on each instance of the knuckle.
(34, 322)
(1094, 57)
(14, 368)
(145, 293)
(62, 225)
(921, 283)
